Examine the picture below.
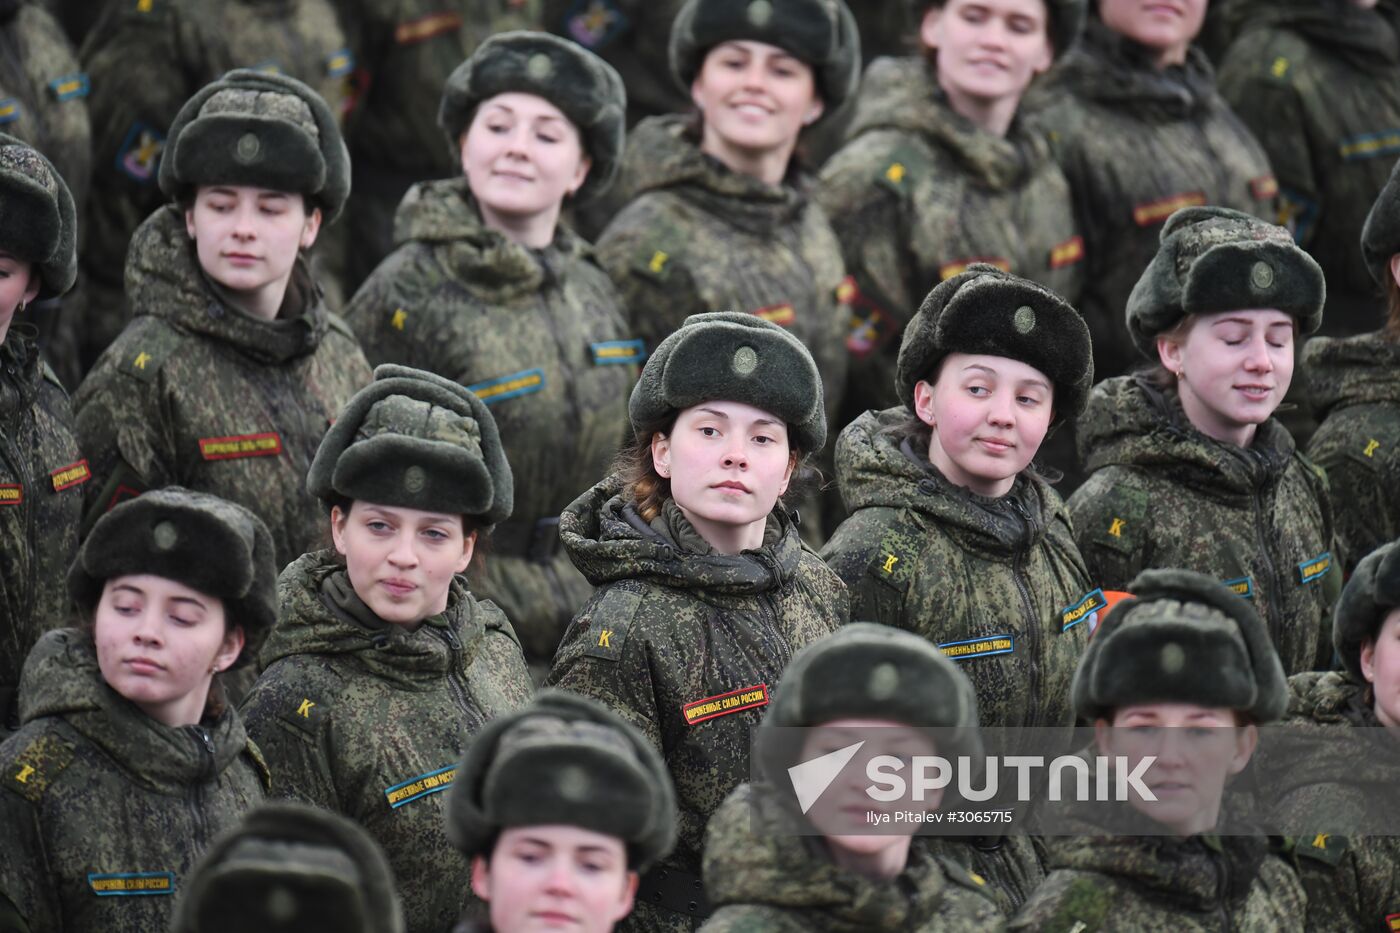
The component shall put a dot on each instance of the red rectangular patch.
(1393, 920)
(1067, 253)
(241, 445)
(421, 30)
(1154, 212)
(74, 474)
(783, 315)
(959, 266)
(1264, 188)
(11, 494)
(735, 701)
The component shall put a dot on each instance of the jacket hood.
(1114, 70)
(61, 679)
(662, 156)
(607, 540)
(444, 216)
(876, 468)
(1359, 370)
(1331, 702)
(903, 94)
(319, 613)
(164, 280)
(1366, 37)
(1131, 422)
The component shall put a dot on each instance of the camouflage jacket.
(698, 237)
(199, 394)
(1355, 386)
(997, 584)
(1164, 884)
(370, 719)
(1137, 144)
(673, 630)
(146, 58)
(918, 193)
(105, 809)
(539, 336)
(1352, 883)
(1319, 85)
(764, 880)
(1162, 494)
(41, 505)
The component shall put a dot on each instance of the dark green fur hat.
(262, 130)
(585, 88)
(206, 543)
(415, 440)
(568, 760)
(1066, 17)
(1380, 237)
(40, 222)
(987, 311)
(868, 671)
(1182, 637)
(733, 357)
(821, 33)
(291, 868)
(1214, 259)
(1371, 594)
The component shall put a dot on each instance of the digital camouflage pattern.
(1352, 883)
(1354, 385)
(674, 626)
(761, 879)
(539, 336)
(199, 394)
(1162, 494)
(403, 52)
(919, 193)
(370, 719)
(997, 584)
(1138, 144)
(145, 59)
(105, 809)
(1318, 83)
(42, 475)
(698, 237)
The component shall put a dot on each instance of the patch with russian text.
(71, 86)
(1393, 920)
(735, 701)
(978, 647)
(74, 474)
(340, 63)
(1067, 253)
(426, 27)
(9, 110)
(959, 266)
(423, 785)
(1264, 188)
(237, 446)
(525, 382)
(1370, 145)
(132, 883)
(1314, 568)
(615, 352)
(1154, 212)
(1085, 609)
(11, 494)
(1241, 586)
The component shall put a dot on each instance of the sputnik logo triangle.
(811, 778)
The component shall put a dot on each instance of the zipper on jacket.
(205, 744)
(20, 464)
(1033, 622)
(1277, 584)
(768, 608)
(456, 683)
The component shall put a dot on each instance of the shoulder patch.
(70, 86)
(903, 167)
(594, 24)
(36, 767)
(420, 786)
(525, 382)
(143, 358)
(612, 617)
(1122, 521)
(1322, 847)
(138, 157)
(302, 712)
(655, 264)
(10, 111)
(340, 63)
(892, 562)
(1085, 609)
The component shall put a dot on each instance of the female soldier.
(560, 807)
(722, 218)
(1183, 671)
(1140, 131)
(705, 587)
(41, 470)
(939, 170)
(383, 664)
(1187, 466)
(487, 288)
(232, 368)
(884, 686)
(130, 762)
(952, 534)
(1354, 385)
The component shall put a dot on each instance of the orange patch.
(735, 701)
(1264, 188)
(1154, 212)
(847, 291)
(1393, 920)
(11, 494)
(783, 315)
(74, 474)
(240, 445)
(1067, 253)
(959, 266)
(421, 30)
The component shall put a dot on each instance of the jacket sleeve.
(1069, 902)
(26, 900)
(502, 664)
(874, 596)
(1111, 528)
(658, 292)
(295, 734)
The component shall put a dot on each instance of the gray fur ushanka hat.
(568, 760)
(1182, 637)
(821, 33)
(415, 440)
(1380, 236)
(40, 220)
(1214, 259)
(733, 357)
(585, 88)
(1371, 594)
(262, 130)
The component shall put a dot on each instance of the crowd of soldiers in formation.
(910, 363)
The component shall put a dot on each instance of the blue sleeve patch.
(595, 23)
(9, 110)
(269, 66)
(132, 884)
(978, 647)
(618, 351)
(340, 63)
(1314, 568)
(1243, 586)
(416, 788)
(1296, 212)
(525, 382)
(139, 155)
(71, 86)
(1386, 143)
(1092, 602)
